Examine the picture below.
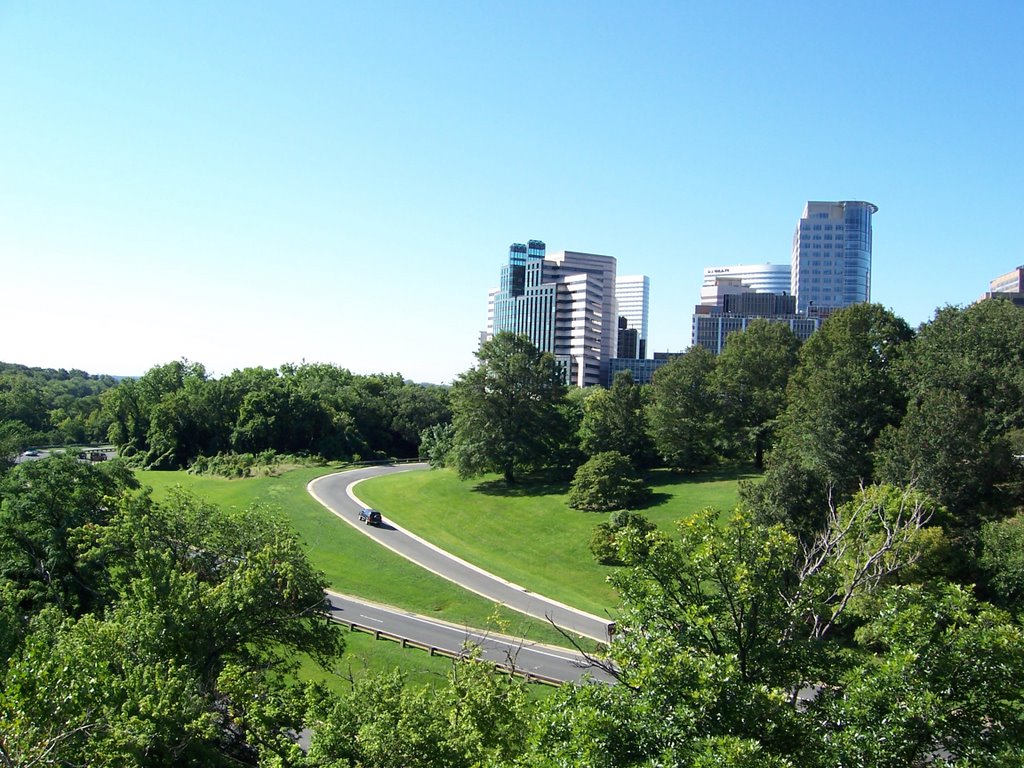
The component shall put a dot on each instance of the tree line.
(866, 399)
(45, 406)
(177, 413)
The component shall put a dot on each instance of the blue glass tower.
(831, 261)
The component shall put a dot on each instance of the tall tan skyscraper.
(565, 303)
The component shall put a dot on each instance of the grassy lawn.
(353, 563)
(365, 656)
(528, 534)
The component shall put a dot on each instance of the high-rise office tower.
(565, 303)
(831, 261)
(633, 294)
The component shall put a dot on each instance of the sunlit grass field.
(352, 563)
(527, 533)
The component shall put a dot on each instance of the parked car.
(369, 516)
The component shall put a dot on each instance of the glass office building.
(831, 257)
(564, 302)
(633, 295)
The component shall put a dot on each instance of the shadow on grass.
(711, 475)
(553, 484)
(534, 485)
(656, 499)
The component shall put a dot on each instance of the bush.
(235, 465)
(605, 482)
(604, 541)
(436, 443)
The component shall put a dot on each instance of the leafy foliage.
(175, 414)
(684, 420)
(477, 718)
(843, 393)
(604, 543)
(615, 419)
(43, 406)
(436, 444)
(607, 481)
(506, 415)
(948, 683)
(158, 634)
(42, 506)
(966, 404)
(1002, 560)
(750, 378)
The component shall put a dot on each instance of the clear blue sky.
(261, 183)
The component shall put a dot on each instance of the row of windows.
(806, 226)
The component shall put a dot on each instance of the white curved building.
(759, 278)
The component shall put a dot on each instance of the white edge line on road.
(471, 632)
(348, 490)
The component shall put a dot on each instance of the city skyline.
(255, 186)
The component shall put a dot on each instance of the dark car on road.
(369, 516)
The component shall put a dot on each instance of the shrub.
(607, 481)
(604, 541)
(235, 465)
(436, 443)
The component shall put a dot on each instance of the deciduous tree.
(684, 417)
(605, 482)
(965, 387)
(615, 419)
(844, 391)
(750, 378)
(505, 409)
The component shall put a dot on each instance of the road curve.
(527, 657)
(335, 493)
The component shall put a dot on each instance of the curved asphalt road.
(335, 492)
(525, 656)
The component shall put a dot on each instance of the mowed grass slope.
(527, 534)
(352, 563)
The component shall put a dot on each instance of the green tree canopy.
(160, 634)
(615, 419)
(964, 382)
(605, 482)
(505, 409)
(844, 391)
(43, 504)
(750, 378)
(683, 414)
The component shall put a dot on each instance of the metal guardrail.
(380, 462)
(405, 642)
